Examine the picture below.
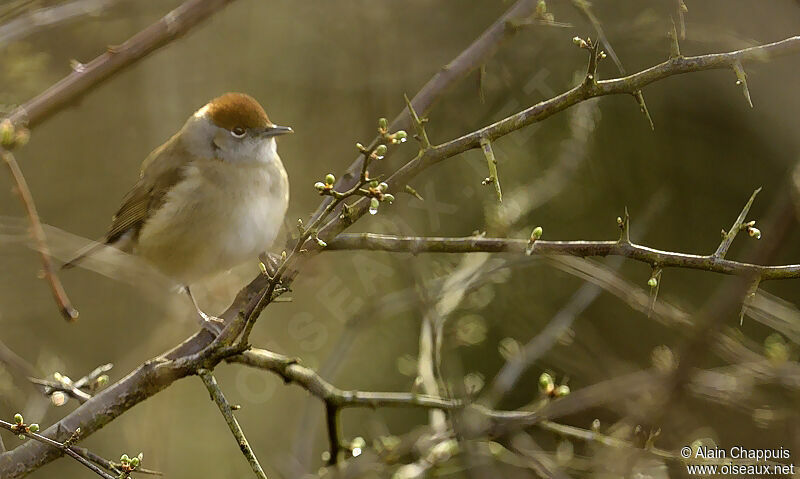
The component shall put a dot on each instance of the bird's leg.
(214, 324)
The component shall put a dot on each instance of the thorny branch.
(117, 57)
(474, 244)
(227, 412)
(28, 431)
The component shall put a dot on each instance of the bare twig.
(728, 237)
(59, 295)
(65, 449)
(39, 18)
(491, 161)
(473, 244)
(230, 419)
(172, 26)
(74, 388)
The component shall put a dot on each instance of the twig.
(73, 388)
(230, 419)
(59, 295)
(472, 244)
(26, 24)
(332, 420)
(110, 465)
(728, 238)
(288, 369)
(491, 161)
(65, 449)
(117, 57)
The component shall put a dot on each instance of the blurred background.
(330, 69)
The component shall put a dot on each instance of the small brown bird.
(212, 197)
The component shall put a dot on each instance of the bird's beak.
(274, 130)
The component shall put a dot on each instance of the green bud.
(18, 418)
(754, 232)
(33, 427)
(400, 135)
(388, 197)
(578, 41)
(546, 382)
(373, 184)
(319, 185)
(652, 282)
(561, 391)
(102, 380)
(541, 9)
(7, 135)
(135, 462)
(125, 459)
(373, 206)
(536, 233)
(330, 179)
(380, 150)
(358, 442)
(21, 436)
(383, 186)
(383, 124)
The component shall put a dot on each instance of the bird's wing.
(160, 171)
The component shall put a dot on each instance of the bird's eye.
(238, 132)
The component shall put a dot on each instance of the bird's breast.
(218, 216)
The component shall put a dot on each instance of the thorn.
(419, 125)
(411, 191)
(643, 107)
(624, 227)
(741, 79)
(481, 82)
(728, 237)
(655, 283)
(751, 293)
(674, 48)
(491, 161)
(682, 10)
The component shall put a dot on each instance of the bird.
(210, 198)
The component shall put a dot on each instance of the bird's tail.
(83, 253)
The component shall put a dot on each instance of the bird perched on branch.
(210, 198)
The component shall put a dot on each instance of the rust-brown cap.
(233, 110)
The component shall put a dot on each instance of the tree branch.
(117, 57)
(474, 244)
(68, 312)
(39, 18)
(227, 412)
(66, 449)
